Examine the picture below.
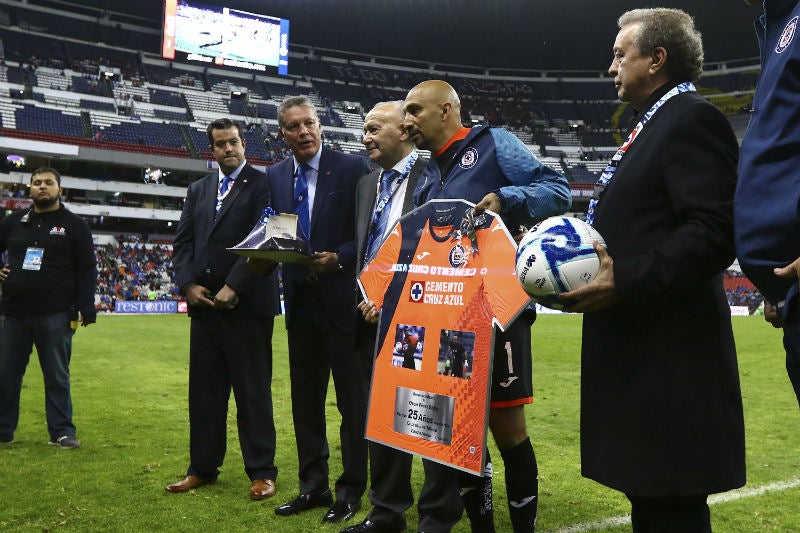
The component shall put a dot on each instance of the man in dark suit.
(320, 296)
(232, 310)
(439, 503)
(661, 409)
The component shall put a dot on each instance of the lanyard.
(395, 186)
(608, 173)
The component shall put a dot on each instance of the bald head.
(385, 139)
(432, 114)
(439, 90)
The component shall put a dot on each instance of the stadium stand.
(741, 291)
(59, 83)
(134, 271)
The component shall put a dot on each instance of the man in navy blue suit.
(232, 310)
(320, 296)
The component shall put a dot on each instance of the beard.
(45, 203)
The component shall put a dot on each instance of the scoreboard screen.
(224, 37)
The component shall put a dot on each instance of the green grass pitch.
(129, 378)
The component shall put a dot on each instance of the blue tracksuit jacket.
(767, 204)
(494, 160)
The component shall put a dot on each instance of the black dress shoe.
(304, 502)
(368, 526)
(341, 511)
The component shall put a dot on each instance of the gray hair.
(396, 103)
(294, 101)
(673, 30)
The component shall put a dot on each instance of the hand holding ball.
(557, 256)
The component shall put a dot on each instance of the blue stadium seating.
(47, 120)
(177, 116)
(173, 76)
(28, 47)
(532, 106)
(145, 133)
(200, 139)
(217, 83)
(167, 98)
(98, 105)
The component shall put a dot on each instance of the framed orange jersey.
(443, 278)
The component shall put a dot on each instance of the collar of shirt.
(400, 166)
(233, 175)
(460, 135)
(313, 162)
(396, 207)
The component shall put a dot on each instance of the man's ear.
(447, 109)
(403, 133)
(659, 59)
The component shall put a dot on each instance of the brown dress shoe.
(262, 489)
(188, 483)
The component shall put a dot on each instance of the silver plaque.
(424, 414)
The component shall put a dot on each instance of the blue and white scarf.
(608, 173)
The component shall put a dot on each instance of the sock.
(476, 493)
(522, 486)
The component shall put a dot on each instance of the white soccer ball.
(557, 256)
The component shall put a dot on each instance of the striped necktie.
(380, 217)
(301, 201)
(224, 185)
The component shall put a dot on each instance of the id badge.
(33, 259)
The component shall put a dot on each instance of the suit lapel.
(238, 185)
(413, 177)
(368, 194)
(283, 191)
(209, 199)
(323, 187)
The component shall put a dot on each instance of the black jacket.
(661, 409)
(202, 239)
(67, 275)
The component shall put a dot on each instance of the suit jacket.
(365, 203)
(200, 254)
(332, 228)
(661, 410)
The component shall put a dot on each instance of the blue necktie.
(380, 217)
(223, 188)
(301, 201)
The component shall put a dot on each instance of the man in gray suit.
(382, 197)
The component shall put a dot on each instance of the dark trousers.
(318, 350)
(52, 336)
(225, 353)
(791, 341)
(440, 506)
(670, 514)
